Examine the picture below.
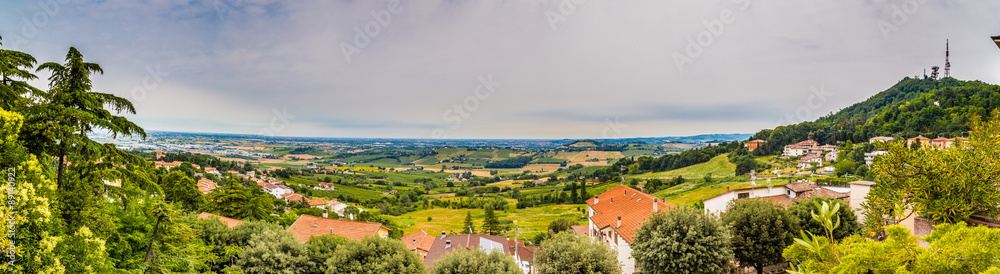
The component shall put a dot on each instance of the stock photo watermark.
(363, 35)
(463, 110)
(224, 7)
(278, 122)
(152, 80)
(817, 98)
(612, 129)
(30, 27)
(11, 178)
(713, 28)
(565, 9)
(900, 16)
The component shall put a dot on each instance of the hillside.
(909, 108)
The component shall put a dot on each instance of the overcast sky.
(501, 69)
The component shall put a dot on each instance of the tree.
(374, 255)
(182, 190)
(491, 224)
(474, 261)
(321, 248)
(760, 232)
(682, 240)
(14, 74)
(275, 251)
(560, 225)
(802, 210)
(235, 201)
(583, 191)
(572, 192)
(943, 185)
(952, 248)
(567, 253)
(468, 223)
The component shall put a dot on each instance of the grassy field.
(531, 220)
(691, 192)
(718, 167)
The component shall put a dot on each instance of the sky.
(500, 69)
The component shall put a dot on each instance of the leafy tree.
(374, 255)
(944, 185)
(559, 225)
(802, 210)
(567, 253)
(275, 251)
(761, 230)
(491, 224)
(181, 189)
(15, 71)
(474, 261)
(321, 248)
(952, 248)
(682, 240)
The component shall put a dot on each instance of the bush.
(475, 261)
(682, 240)
(374, 255)
(567, 253)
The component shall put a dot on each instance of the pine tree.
(468, 222)
(491, 225)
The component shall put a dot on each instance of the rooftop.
(307, 226)
(632, 206)
(230, 222)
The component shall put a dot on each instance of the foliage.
(275, 251)
(943, 185)
(684, 240)
(181, 189)
(802, 210)
(474, 261)
(567, 253)
(515, 162)
(238, 202)
(491, 224)
(560, 225)
(321, 248)
(760, 232)
(374, 255)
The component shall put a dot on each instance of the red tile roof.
(801, 186)
(418, 241)
(308, 225)
(632, 206)
(229, 221)
(467, 241)
(292, 197)
(316, 202)
(580, 229)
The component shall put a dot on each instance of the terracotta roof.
(308, 225)
(210, 169)
(467, 241)
(580, 229)
(757, 141)
(418, 241)
(782, 199)
(863, 183)
(941, 139)
(206, 186)
(822, 192)
(632, 206)
(316, 202)
(230, 222)
(807, 143)
(801, 186)
(292, 197)
(921, 138)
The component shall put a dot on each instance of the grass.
(694, 191)
(530, 220)
(718, 167)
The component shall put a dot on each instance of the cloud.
(231, 63)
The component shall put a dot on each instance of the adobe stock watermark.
(363, 37)
(714, 28)
(152, 80)
(612, 129)
(565, 9)
(463, 110)
(279, 121)
(40, 19)
(10, 220)
(224, 7)
(814, 102)
(900, 16)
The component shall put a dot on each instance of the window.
(742, 195)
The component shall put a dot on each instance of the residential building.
(795, 151)
(923, 141)
(230, 222)
(418, 242)
(523, 255)
(167, 165)
(292, 197)
(828, 147)
(831, 156)
(807, 162)
(206, 186)
(307, 226)
(780, 194)
(870, 157)
(880, 139)
(615, 215)
(859, 194)
(213, 171)
(752, 145)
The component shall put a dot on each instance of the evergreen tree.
(468, 223)
(491, 225)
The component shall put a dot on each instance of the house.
(829, 169)
(831, 156)
(919, 139)
(942, 143)
(615, 215)
(196, 166)
(807, 162)
(859, 194)
(230, 222)
(307, 226)
(206, 186)
(781, 194)
(326, 186)
(870, 157)
(880, 139)
(167, 165)
(580, 230)
(795, 150)
(443, 244)
(292, 197)
(213, 171)
(828, 147)
(751, 145)
(418, 242)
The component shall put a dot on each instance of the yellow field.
(531, 220)
(301, 156)
(581, 157)
(540, 168)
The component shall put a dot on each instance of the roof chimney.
(331, 230)
(656, 206)
(442, 234)
(612, 200)
(595, 199)
(447, 244)
(619, 221)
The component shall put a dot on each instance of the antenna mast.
(947, 64)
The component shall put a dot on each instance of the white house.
(615, 215)
(870, 157)
(780, 194)
(859, 194)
